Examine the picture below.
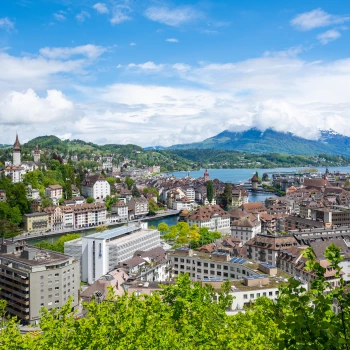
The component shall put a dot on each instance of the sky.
(167, 72)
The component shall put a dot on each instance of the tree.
(101, 228)
(210, 191)
(153, 207)
(90, 200)
(58, 246)
(227, 196)
(163, 228)
(46, 202)
(129, 182)
(135, 192)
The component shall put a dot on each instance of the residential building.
(295, 222)
(75, 191)
(120, 209)
(36, 222)
(15, 173)
(2, 196)
(246, 228)
(54, 192)
(104, 251)
(216, 265)
(138, 208)
(32, 193)
(95, 186)
(36, 156)
(253, 207)
(32, 278)
(265, 247)
(210, 216)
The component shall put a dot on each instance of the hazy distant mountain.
(270, 141)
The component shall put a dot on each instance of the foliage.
(90, 200)
(163, 228)
(152, 207)
(7, 229)
(101, 228)
(110, 201)
(189, 315)
(227, 196)
(16, 195)
(135, 192)
(129, 182)
(206, 237)
(58, 246)
(13, 215)
(210, 191)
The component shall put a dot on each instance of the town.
(218, 235)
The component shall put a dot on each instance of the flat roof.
(113, 233)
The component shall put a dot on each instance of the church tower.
(16, 153)
(206, 176)
(36, 155)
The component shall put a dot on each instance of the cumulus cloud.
(59, 16)
(90, 51)
(147, 66)
(328, 36)
(172, 40)
(26, 108)
(82, 16)
(132, 44)
(173, 17)
(101, 7)
(315, 19)
(6, 24)
(121, 13)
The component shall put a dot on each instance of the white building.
(210, 216)
(120, 209)
(54, 191)
(102, 252)
(95, 186)
(246, 228)
(15, 172)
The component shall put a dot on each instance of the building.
(138, 207)
(265, 248)
(102, 252)
(2, 196)
(120, 209)
(15, 173)
(255, 182)
(201, 266)
(210, 216)
(254, 207)
(32, 193)
(36, 156)
(54, 192)
(76, 216)
(206, 176)
(36, 222)
(75, 191)
(95, 186)
(246, 228)
(32, 278)
(16, 155)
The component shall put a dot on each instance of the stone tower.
(36, 155)
(16, 153)
(206, 176)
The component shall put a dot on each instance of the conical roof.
(17, 145)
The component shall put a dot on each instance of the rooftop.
(113, 233)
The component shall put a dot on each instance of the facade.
(210, 216)
(138, 207)
(36, 156)
(15, 173)
(246, 228)
(2, 196)
(120, 209)
(95, 186)
(16, 155)
(76, 216)
(104, 251)
(36, 222)
(204, 266)
(265, 248)
(32, 278)
(54, 191)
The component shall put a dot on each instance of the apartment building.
(102, 252)
(54, 192)
(138, 207)
(36, 222)
(32, 278)
(95, 186)
(210, 216)
(246, 227)
(201, 266)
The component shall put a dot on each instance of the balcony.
(18, 279)
(16, 285)
(10, 296)
(13, 291)
(17, 313)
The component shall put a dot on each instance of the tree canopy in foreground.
(188, 315)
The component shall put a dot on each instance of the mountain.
(271, 141)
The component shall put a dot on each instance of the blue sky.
(159, 72)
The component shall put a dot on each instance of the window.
(41, 290)
(264, 294)
(41, 284)
(205, 271)
(57, 288)
(199, 270)
(50, 296)
(50, 289)
(212, 272)
(182, 260)
(225, 274)
(218, 267)
(270, 294)
(245, 296)
(182, 267)
(50, 282)
(219, 273)
(212, 266)
(50, 275)
(251, 296)
(232, 275)
(57, 274)
(205, 264)
(258, 295)
(188, 261)
(225, 267)
(41, 277)
(49, 303)
(42, 304)
(199, 263)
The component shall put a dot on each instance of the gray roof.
(113, 233)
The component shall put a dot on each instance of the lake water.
(238, 175)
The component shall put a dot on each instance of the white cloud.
(328, 36)
(59, 16)
(7, 24)
(28, 107)
(132, 44)
(121, 13)
(101, 7)
(82, 16)
(90, 51)
(315, 19)
(172, 40)
(147, 66)
(173, 17)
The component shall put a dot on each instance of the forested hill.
(270, 141)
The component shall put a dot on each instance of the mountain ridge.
(270, 141)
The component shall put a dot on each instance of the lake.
(238, 175)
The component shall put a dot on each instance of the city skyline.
(161, 73)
